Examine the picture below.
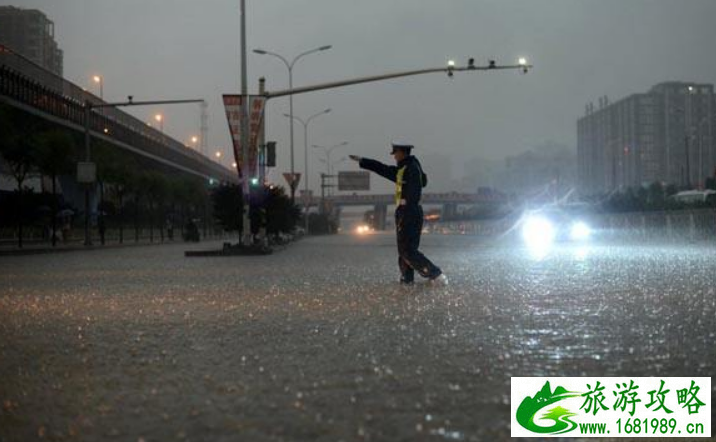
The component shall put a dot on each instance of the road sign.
(292, 180)
(232, 105)
(353, 180)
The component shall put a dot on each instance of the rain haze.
(463, 127)
(566, 236)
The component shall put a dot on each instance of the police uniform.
(409, 181)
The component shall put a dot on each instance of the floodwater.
(320, 342)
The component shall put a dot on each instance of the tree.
(156, 187)
(17, 147)
(655, 196)
(711, 183)
(228, 206)
(281, 215)
(671, 189)
(54, 157)
(187, 193)
(118, 171)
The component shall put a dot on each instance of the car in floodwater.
(557, 223)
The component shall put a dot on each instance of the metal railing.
(26, 82)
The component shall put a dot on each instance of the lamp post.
(305, 150)
(289, 66)
(327, 151)
(194, 140)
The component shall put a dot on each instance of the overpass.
(449, 201)
(28, 87)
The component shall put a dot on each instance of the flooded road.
(320, 342)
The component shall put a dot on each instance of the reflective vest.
(399, 185)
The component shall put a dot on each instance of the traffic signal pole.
(246, 233)
(449, 70)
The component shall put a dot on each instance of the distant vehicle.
(364, 229)
(432, 215)
(696, 196)
(564, 223)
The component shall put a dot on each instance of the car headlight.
(538, 231)
(580, 231)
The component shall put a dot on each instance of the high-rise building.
(29, 32)
(666, 135)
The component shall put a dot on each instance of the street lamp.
(160, 120)
(289, 66)
(327, 151)
(305, 139)
(305, 150)
(100, 81)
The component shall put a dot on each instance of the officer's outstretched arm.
(389, 172)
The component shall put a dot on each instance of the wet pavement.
(319, 341)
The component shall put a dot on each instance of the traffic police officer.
(409, 181)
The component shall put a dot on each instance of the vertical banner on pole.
(232, 105)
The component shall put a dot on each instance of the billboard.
(232, 105)
(353, 180)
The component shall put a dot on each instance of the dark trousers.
(409, 226)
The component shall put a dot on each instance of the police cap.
(400, 145)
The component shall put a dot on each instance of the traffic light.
(271, 154)
(254, 182)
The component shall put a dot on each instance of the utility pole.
(246, 233)
(262, 138)
(262, 171)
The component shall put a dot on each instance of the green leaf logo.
(530, 407)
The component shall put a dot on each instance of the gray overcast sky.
(162, 49)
